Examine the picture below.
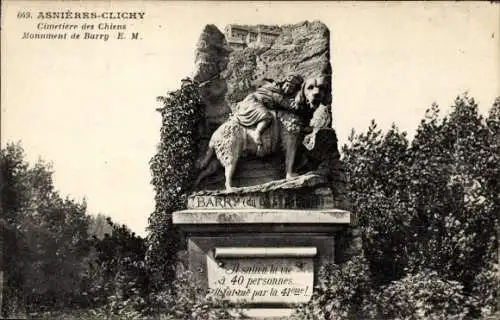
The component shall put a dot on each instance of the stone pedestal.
(265, 258)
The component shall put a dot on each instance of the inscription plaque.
(318, 199)
(261, 280)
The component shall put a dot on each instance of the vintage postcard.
(263, 159)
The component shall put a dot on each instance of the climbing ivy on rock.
(172, 171)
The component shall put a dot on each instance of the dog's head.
(314, 92)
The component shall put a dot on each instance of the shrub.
(484, 299)
(424, 295)
(116, 275)
(185, 300)
(340, 292)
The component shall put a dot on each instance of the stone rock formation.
(303, 48)
(211, 59)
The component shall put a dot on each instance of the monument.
(267, 208)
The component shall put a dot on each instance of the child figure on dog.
(254, 110)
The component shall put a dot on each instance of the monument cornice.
(263, 216)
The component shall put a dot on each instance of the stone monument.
(268, 208)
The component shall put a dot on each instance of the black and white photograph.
(268, 160)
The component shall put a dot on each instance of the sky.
(88, 106)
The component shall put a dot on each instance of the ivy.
(172, 171)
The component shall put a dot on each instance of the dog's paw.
(291, 175)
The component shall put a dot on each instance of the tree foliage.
(430, 206)
(45, 236)
(116, 270)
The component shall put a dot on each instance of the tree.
(376, 168)
(46, 236)
(431, 205)
(453, 169)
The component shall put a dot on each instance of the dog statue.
(231, 141)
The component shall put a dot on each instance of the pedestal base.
(264, 258)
